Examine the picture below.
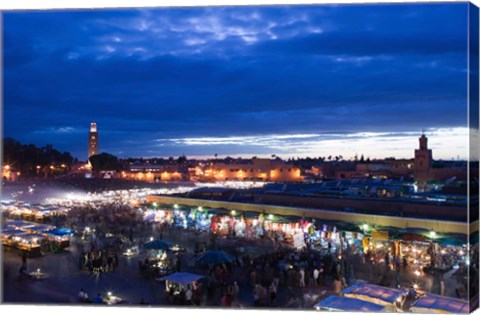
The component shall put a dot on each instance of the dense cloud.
(249, 72)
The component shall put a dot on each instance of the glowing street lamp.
(365, 227)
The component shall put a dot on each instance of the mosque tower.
(93, 140)
(423, 162)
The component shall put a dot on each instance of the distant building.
(254, 169)
(8, 174)
(153, 173)
(93, 140)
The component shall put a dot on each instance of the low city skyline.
(291, 81)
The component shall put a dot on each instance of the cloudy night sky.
(241, 81)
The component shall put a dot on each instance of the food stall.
(11, 237)
(432, 303)
(391, 299)
(177, 282)
(159, 262)
(60, 237)
(17, 224)
(33, 244)
(336, 303)
(40, 228)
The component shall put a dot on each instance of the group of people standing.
(98, 261)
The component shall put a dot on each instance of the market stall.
(11, 237)
(391, 299)
(158, 263)
(59, 237)
(41, 228)
(17, 224)
(432, 303)
(33, 244)
(336, 303)
(178, 282)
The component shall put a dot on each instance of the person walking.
(337, 286)
(273, 293)
(236, 292)
(302, 278)
(24, 259)
(316, 273)
(188, 296)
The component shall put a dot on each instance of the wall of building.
(254, 170)
(153, 176)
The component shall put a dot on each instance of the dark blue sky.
(298, 80)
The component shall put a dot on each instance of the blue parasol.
(215, 257)
(60, 231)
(158, 244)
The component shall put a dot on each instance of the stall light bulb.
(109, 293)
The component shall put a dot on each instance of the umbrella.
(449, 241)
(182, 277)
(414, 238)
(60, 231)
(215, 257)
(158, 244)
(278, 219)
(415, 230)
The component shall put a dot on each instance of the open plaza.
(156, 247)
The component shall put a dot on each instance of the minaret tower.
(93, 140)
(423, 162)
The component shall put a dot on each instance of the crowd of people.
(98, 261)
(265, 275)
